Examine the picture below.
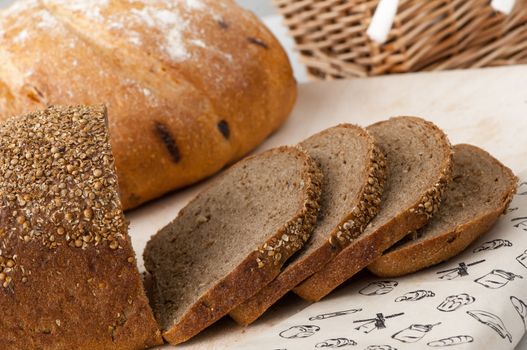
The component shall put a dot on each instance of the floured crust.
(427, 252)
(368, 248)
(257, 269)
(368, 203)
(190, 86)
(68, 274)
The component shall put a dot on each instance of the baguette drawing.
(521, 308)
(451, 341)
(492, 321)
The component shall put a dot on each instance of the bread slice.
(419, 159)
(480, 192)
(68, 275)
(354, 174)
(232, 240)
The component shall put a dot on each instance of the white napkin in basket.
(477, 300)
(384, 16)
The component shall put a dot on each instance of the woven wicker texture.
(331, 37)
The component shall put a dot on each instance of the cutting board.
(486, 107)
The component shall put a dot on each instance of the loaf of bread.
(231, 240)
(419, 163)
(68, 275)
(190, 85)
(481, 190)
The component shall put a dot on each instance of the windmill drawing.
(378, 322)
(460, 271)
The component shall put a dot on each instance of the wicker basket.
(331, 37)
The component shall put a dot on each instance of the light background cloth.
(495, 301)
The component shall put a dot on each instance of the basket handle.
(382, 21)
(504, 6)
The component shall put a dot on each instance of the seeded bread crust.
(68, 274)
(257, 269)
(427, 251)
(353, 223)
(369, 246)
(190, 86)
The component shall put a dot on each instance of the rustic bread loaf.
(231, 240)
(354, 174)
(479, 193)
(190, 85)
(418, 158)
(68, 275)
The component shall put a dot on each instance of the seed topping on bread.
(48, 177)
(297, 232)
(430, 202)
(366, 210)
(7, 265)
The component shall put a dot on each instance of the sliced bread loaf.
(418, 158)
(68, 275)
(479, 193)
(354, 174)
(231, 240)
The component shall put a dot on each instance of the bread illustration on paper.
(454, 302)
(299, 332)
(496, 279)
(379, 288)
(69, 278)
(492, 321)
(336, 343)
(521, 309)
(380, 347)
(414, 332)
(415, 295)
(190, 86)
(492, 245)
(451, 341)
(232, 239)
(522, 259)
